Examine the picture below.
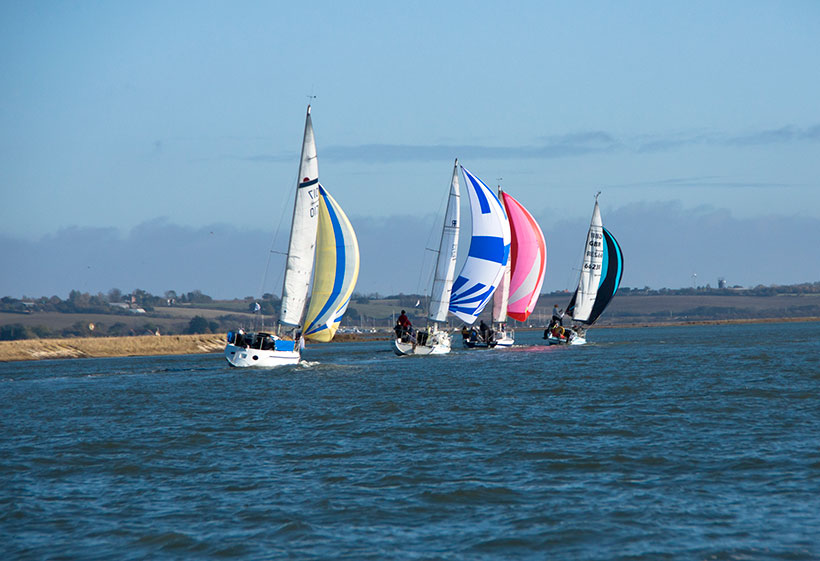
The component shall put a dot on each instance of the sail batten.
(487, 255)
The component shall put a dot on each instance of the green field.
(379, 314)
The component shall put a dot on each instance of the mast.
(501, 298)
(447, 254)
(302, 243)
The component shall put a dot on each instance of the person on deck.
(557, 315)
(484, 330)
(406, 326)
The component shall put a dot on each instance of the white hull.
(575, 340)
(505, 342)
(242, 357)
(438, 343)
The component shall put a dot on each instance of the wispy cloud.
(159, 255)
(788, 134)
(782, 135)
(706, 181)
(553, 147)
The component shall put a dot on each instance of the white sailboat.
(467, 295)
(434, 340)
(599, 280)
(319, 229)
(518, 291)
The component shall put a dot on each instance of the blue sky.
(126, 121)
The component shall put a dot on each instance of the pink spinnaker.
(528, 260)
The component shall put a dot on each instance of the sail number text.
(314, 200)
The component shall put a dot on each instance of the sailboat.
(599, 280)
(434, 340)
(518, 292)
(323, 245)
(467, 295)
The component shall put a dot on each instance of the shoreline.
(153, 345)
(108, 347)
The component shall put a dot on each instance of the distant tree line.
(409, 300)
(196, 325)
(119, 304)
(759, 290)
(114, 302)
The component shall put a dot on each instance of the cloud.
(553, 147)
(712, 181)
(782, 135)
(557, 147)
(663, 245)
(155, 256)
(788, 134)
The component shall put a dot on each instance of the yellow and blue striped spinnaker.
(336, 270)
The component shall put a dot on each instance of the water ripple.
(648, 444)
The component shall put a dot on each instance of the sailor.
(406, 327)
(404, 321)
(557, 315)
(482, 327)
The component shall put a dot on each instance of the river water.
(697, 442)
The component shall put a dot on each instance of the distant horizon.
(357, 295)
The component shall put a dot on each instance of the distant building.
(721, 283)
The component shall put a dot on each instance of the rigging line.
(429, 297)
(439, 214)
(272, 251)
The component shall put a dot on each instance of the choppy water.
(653, 443)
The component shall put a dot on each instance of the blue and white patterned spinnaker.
(488, 254)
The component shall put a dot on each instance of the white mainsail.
(447, 254)
(302, 244)
(590, 278)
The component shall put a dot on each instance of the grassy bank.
(98, 347)
(145, 345)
